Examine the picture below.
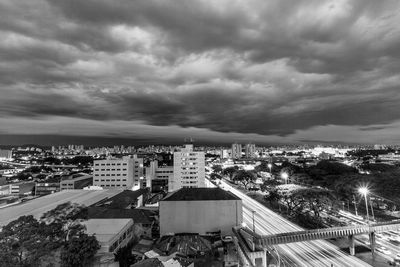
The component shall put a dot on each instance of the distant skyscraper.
(189, 169)
(236, 151)
(250, 151)
(124, 173)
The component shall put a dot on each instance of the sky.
(260, 71)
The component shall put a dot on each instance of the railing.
(326, 233)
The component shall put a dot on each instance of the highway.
(311, 253)
(382, 240)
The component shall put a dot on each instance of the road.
(393, 247)
(311, 253)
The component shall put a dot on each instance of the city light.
(363, 190)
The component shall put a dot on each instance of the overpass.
(264, 241)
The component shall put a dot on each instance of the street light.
(254, 225)
(364, 191)
(285, 177)
(270, 168)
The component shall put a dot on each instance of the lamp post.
(364, 191)
(285, 177)
(254, 225)
(355, 206)
(270, 169)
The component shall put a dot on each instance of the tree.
(230, 171)
(270, 183)
(23, 242)
(124, 255)
(66, 216)
(217, 168)
(273, 196)
(215, 176)
(79, 251)
(244, 177)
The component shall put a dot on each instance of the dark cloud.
(265, 67)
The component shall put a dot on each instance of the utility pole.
(355, 206)
(254, 226)
(372, 209)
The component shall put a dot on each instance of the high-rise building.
(250, 151)
(236, 151)
(189, 169)
(5, 154)
(124, 173)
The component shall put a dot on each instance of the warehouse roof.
(198, 194)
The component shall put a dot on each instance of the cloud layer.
(269, 70)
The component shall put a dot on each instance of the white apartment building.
(250, 151)
(5, 154)
(236, 151)
(189, 169)
(124, 173)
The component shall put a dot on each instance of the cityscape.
(260, 133)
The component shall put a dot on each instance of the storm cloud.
(273, 70)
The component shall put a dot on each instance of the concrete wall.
(200, 216)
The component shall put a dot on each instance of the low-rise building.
(42, 189)
(200, 210)
(143, 220)
(76, 181)
(112, 234)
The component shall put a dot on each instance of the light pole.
(355, 206)
(254, 225)
(270, 169)
(372, 209)
(285, 177)
(364, 191)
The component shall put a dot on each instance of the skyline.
(159, 71)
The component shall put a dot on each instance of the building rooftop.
(76, 177)
(105, 229)
(198, 194)
(138, 215)
(38, 206)
(122, 200)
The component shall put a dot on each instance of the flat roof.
(138, 215)
(199, 194)
(105, 229)
(38, 206)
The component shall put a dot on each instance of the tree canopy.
(244, 177)
(26, 240)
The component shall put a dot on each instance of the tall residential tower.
(189, 169)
